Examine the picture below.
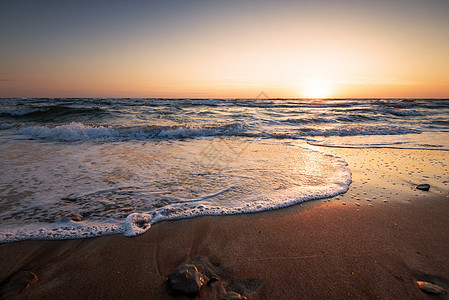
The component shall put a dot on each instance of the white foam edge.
(138, 223)
(80, 132)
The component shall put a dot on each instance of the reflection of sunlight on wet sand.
(380, 176)
(423, 141)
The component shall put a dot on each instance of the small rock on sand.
(423, 187)
(186, 280)
(430, 288)
(233, 296)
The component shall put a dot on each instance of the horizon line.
(239, 98)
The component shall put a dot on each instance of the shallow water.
(121, 165)
(161, 180)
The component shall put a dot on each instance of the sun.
(316, 88)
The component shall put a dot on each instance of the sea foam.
(82, 132)
(125, 187)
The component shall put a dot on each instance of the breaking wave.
(81, 132)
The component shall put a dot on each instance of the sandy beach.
(374, 242)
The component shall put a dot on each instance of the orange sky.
(225, 49)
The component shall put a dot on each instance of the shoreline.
(341, 247)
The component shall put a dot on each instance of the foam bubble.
(137, 223)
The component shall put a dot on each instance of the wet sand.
(373, 242)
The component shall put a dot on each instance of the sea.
(78, 168)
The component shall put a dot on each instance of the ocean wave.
(359, 130)
(439, 122)
(308, 120)
(343, 131)
(355, 118)
(81, 132)
(50, 113)
(4, 126)
(403, 113)
(16, 112)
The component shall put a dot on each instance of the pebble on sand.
(430, 288)
(186, 280)
(423, 187)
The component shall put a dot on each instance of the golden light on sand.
(317, 88)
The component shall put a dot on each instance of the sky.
(225, 48)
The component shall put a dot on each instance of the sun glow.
(317, 88)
